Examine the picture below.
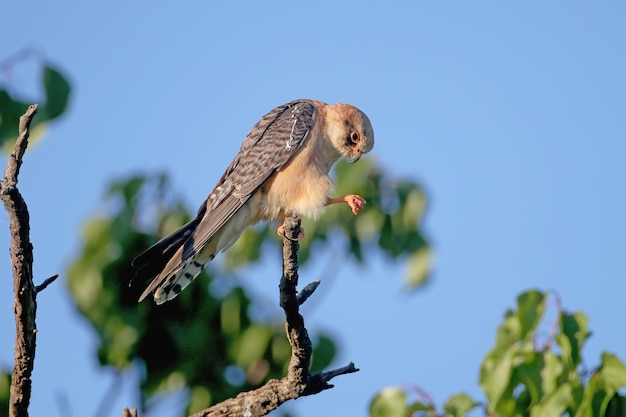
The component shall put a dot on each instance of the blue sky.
(511, 114)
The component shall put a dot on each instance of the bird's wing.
(271, 143)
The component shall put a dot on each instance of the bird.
(282, 169)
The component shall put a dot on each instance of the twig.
(298, 382)
(319, 381)
(307, 291)
(129, 412)
(39, 288)
(22, 261)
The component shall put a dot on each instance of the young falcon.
(281, 170)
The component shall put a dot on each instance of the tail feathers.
(166, 288)
(152, 261)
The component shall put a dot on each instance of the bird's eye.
(353, 138)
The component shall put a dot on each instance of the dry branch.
(298, 382)
(22, 261)
(129, 412)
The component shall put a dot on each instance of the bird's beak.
(355, 155)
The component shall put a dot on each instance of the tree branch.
(298, 382)
(22, 261)
(39, 288)
(126, 412)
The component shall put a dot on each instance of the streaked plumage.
(281, 169)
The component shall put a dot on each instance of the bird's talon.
(356, 203)
(281, 232)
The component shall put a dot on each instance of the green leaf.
(511, 363)
(616, 406)
(418, 267)
(554, 404)
(613, 372)
(552, 372)
(199, 399)
(578, 406)
(10, 112)
(324, 352)
(459, 405)
(5, 390)
(508, 332)
(251, 345)
(413, 207)
(389, 402)
(420, 406)
(529, 373)
(57, 90)
(531, 306)
(571, 337)
(495, 374)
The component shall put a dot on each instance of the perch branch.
(22, 261)
(298, 382)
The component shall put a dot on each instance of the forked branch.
(299, 381)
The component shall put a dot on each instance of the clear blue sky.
(511, 114)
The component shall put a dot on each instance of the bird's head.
(350, 131)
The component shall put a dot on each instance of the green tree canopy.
(527, 375)
(206, 340)
(56, 91)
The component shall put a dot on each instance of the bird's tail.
(180, 257)
(166, 286)
(154, 259)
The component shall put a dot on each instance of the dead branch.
(39, 288)
(22, 261)
(129, 412)
(298, 382)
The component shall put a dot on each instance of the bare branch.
(22, 261)
(15, 160)
(298, 382)
(319, 381)
(47, 282)
(129, 412)
(307, 291)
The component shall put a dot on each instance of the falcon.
(280, 170)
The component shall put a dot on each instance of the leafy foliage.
(389, 224)
(521, 377)
(56, 91)
(200, 341)
(5, 385)
(205, 340)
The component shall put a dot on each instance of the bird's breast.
(302, 187)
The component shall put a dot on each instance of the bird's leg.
(356, 202)
(281, 230)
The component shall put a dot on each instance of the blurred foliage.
(388, 225)
(55, 90)
(522, 377)
(55, 98)
(5, 385)
(205, 340)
